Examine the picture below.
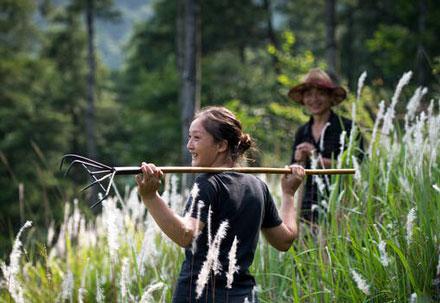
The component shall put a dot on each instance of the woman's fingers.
(151, 170)
(298, 170)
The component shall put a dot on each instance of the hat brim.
(337, 93)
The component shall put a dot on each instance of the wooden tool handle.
(127, 170)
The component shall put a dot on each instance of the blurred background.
(119, 80)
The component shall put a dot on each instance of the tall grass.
(378, 241)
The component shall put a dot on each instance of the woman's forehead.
(197, 126)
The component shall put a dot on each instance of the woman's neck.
(321, 118)
(223, 161)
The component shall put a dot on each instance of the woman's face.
(203, 148)
(317, 101)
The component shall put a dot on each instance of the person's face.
(203, 148)
(317, 101)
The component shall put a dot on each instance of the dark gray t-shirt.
(245, 202)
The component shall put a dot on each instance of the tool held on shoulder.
(102, 175)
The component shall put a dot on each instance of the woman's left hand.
(291, 182)
(149, 181)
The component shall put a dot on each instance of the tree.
(330, 41)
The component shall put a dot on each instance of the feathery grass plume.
(232, 267)
(50, 233)
(383, 253)
(200, 205)
(433, 133)
(148, 253)
(410, 219)
(360, 282)
(209, 225)
(376, 125)
(134, 207)
(321, 136)
(100, 298)
(88, 235)
(361, 81)
(10, 272)
(193, 195)
(436, 187)
(67, 287)
(254, 292)
(414, 102)
(246, 300)
(82, 289)
(316, 178)
(341, 150)
(124, 281)
(113, 224)
(321, 147)
(357, 168)
(211, 263)
(413, 298)
(389, 115)
(147, 297)
(360, 85)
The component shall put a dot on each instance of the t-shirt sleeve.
(199, 207)
(271, 217)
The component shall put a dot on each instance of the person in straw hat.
(319, 138)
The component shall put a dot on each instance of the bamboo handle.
(247, 170)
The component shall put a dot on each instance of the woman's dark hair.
(222, 124)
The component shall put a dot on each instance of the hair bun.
(245, 142)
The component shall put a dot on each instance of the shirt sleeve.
(198, 208)
(271, 217)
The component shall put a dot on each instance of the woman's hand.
(303, 151)
(291, 182)
(149, 181)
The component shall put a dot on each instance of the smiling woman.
(318, 140)
(224, 214)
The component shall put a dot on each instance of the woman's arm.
(179, 229)
(282, 236)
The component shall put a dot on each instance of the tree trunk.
(90, 110)
(421, 60)
(330, 40)
(190, 76)
(271, 35)
(350, 70)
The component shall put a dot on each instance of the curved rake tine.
(93, 178)
(84, 164)
(87, 160)
(107, 192)
(97, 172)
(97, 181)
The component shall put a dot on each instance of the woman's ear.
(222, 146)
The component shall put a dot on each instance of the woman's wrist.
(149, 197)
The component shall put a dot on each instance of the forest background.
(62, 91)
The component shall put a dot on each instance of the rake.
(102, 175)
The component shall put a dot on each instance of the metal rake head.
(98, 172)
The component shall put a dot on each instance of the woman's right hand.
(149, 181)
(303, 151)
(291, 182)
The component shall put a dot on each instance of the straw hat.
(319, 79)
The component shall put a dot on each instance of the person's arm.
(281, 237)
(179, 229)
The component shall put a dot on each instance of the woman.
(229, 208)
(320, 137)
